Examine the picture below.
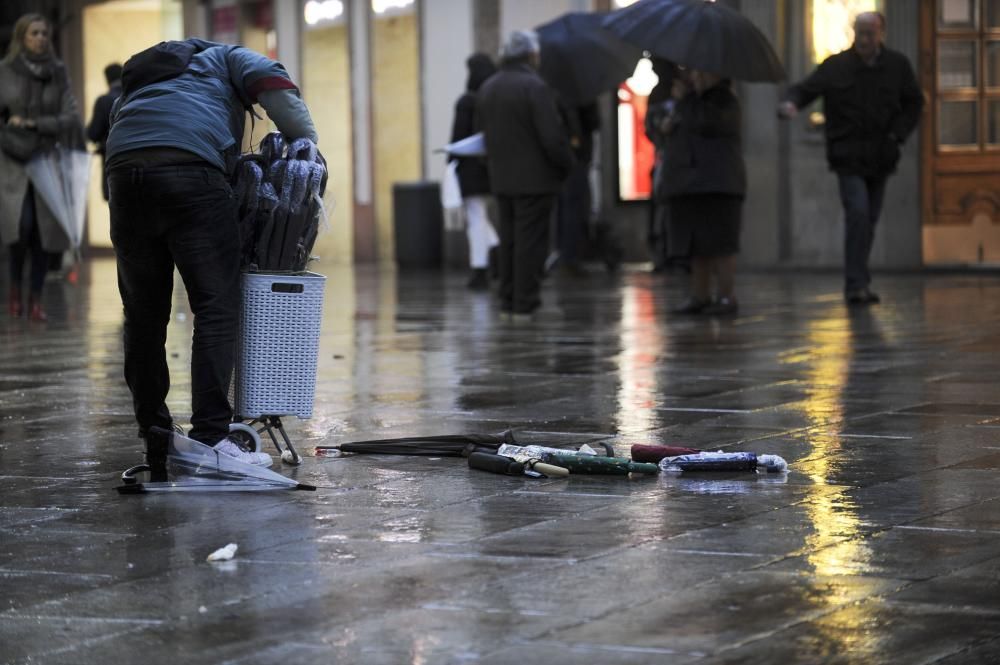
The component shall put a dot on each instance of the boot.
(35, 311)
(478, 281)
(14, 305)
(494, 263)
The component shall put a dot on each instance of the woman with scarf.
(37, 111)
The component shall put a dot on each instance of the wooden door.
(960, 169)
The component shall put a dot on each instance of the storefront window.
(635, 152)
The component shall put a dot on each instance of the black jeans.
(524, 244)
(861, 198)
(183, 216)
(573, 213)
(29, 242)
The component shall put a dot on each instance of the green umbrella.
(606, 466)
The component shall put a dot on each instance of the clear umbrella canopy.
(61, 178)
(192, 466)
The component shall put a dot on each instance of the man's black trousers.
(183, 216)
(524, 245)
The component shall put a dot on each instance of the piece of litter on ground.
(224, 553)
(202, 609)
(586, 450)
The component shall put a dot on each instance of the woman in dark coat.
(703, 180)
(34, 96)
(473, 178)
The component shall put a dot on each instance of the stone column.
(359, 40)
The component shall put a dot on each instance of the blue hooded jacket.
(203, 110)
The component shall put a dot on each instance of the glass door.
(961, 154)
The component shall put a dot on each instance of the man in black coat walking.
(100, 120)
(529, 156)
(872, 103)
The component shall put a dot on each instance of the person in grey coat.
(35, 100)
(529, 156)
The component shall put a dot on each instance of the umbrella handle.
(550, 470)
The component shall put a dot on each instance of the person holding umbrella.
(37, 111)
(872, 103)
(529, 157)
(703, 180)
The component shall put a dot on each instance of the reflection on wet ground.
(882, 545)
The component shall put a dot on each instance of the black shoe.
(861, 297)
(722, 307)
(479, 281)
(691, 306)
(493, 257)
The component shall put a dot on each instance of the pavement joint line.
(444, 607)
(15, 571)
(68, 619)
(91, 641)
(871, 436)
(748, 555)
(697, 410)
(945, 529)
(505, 557)
(622, 648)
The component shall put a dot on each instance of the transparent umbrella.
(191, 466)
(61, 177)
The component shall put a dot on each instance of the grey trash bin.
(418, 224)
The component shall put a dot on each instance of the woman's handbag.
(18, 143)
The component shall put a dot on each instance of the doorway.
(113, 31)
(960, 178)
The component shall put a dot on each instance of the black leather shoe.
(691, 306)
(861, 297)
(479, 280)
(722, 307)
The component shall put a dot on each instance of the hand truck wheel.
(245, 437)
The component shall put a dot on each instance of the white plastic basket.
(279, 344)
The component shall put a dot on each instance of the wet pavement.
(881, 545)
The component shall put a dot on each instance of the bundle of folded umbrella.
(500, 453)
(280, 193)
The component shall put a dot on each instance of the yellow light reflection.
(641, 344)
(835, 546)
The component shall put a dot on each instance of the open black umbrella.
(581, 59)
(701, 35)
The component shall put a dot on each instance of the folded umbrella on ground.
(592, 464)
(653, 454)
(720, 461)
(446, 445)
(179, 464)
